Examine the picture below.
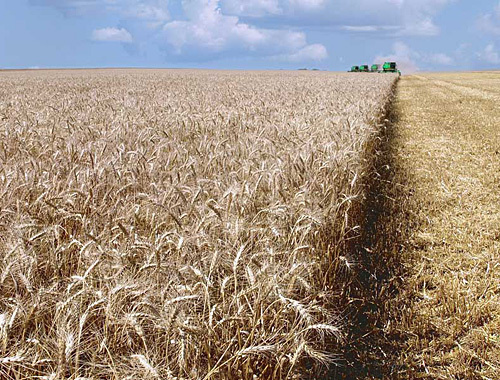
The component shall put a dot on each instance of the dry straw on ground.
(448, 150)
(180, 224)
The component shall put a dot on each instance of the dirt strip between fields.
(447, 152)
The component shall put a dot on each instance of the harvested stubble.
(179, 224)
(448, 308)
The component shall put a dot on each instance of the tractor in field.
(354, 69)
(364, 69)
(375, 68)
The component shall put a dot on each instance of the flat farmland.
(446, 150)
(182, 224)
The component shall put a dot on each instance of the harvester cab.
(375, 68)
(391, 67)
(364, 68)
(354, 69)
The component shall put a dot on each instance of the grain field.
(162, 224)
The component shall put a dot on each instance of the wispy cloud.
(440, 59)
(315, 52)
(404, 56)
(410, 60)
(307, 4)
(148, 10)
(255, 8)
(490, 22)
(401, 17)
(112, 35)
(489, 55)
(369, 28)
(420, 27)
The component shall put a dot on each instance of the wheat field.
(180, 224)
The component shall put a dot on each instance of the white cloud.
(112, 35)
(489, 55)
(490, 22)
(146, 10)
(212, 29)
(307, 4)
(203, 29)
(393, 17)
(208, 31)
(260, 8)
(368, 28)
(315, 52)
(360, 28)
(420, 27)
(255, 8)
(424, 27)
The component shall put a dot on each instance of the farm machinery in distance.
(388, 67)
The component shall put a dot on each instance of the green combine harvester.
(388, 67)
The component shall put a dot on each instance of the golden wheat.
(179, 224)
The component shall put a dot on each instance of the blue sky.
(250, 34)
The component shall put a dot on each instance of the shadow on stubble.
(374, 303)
